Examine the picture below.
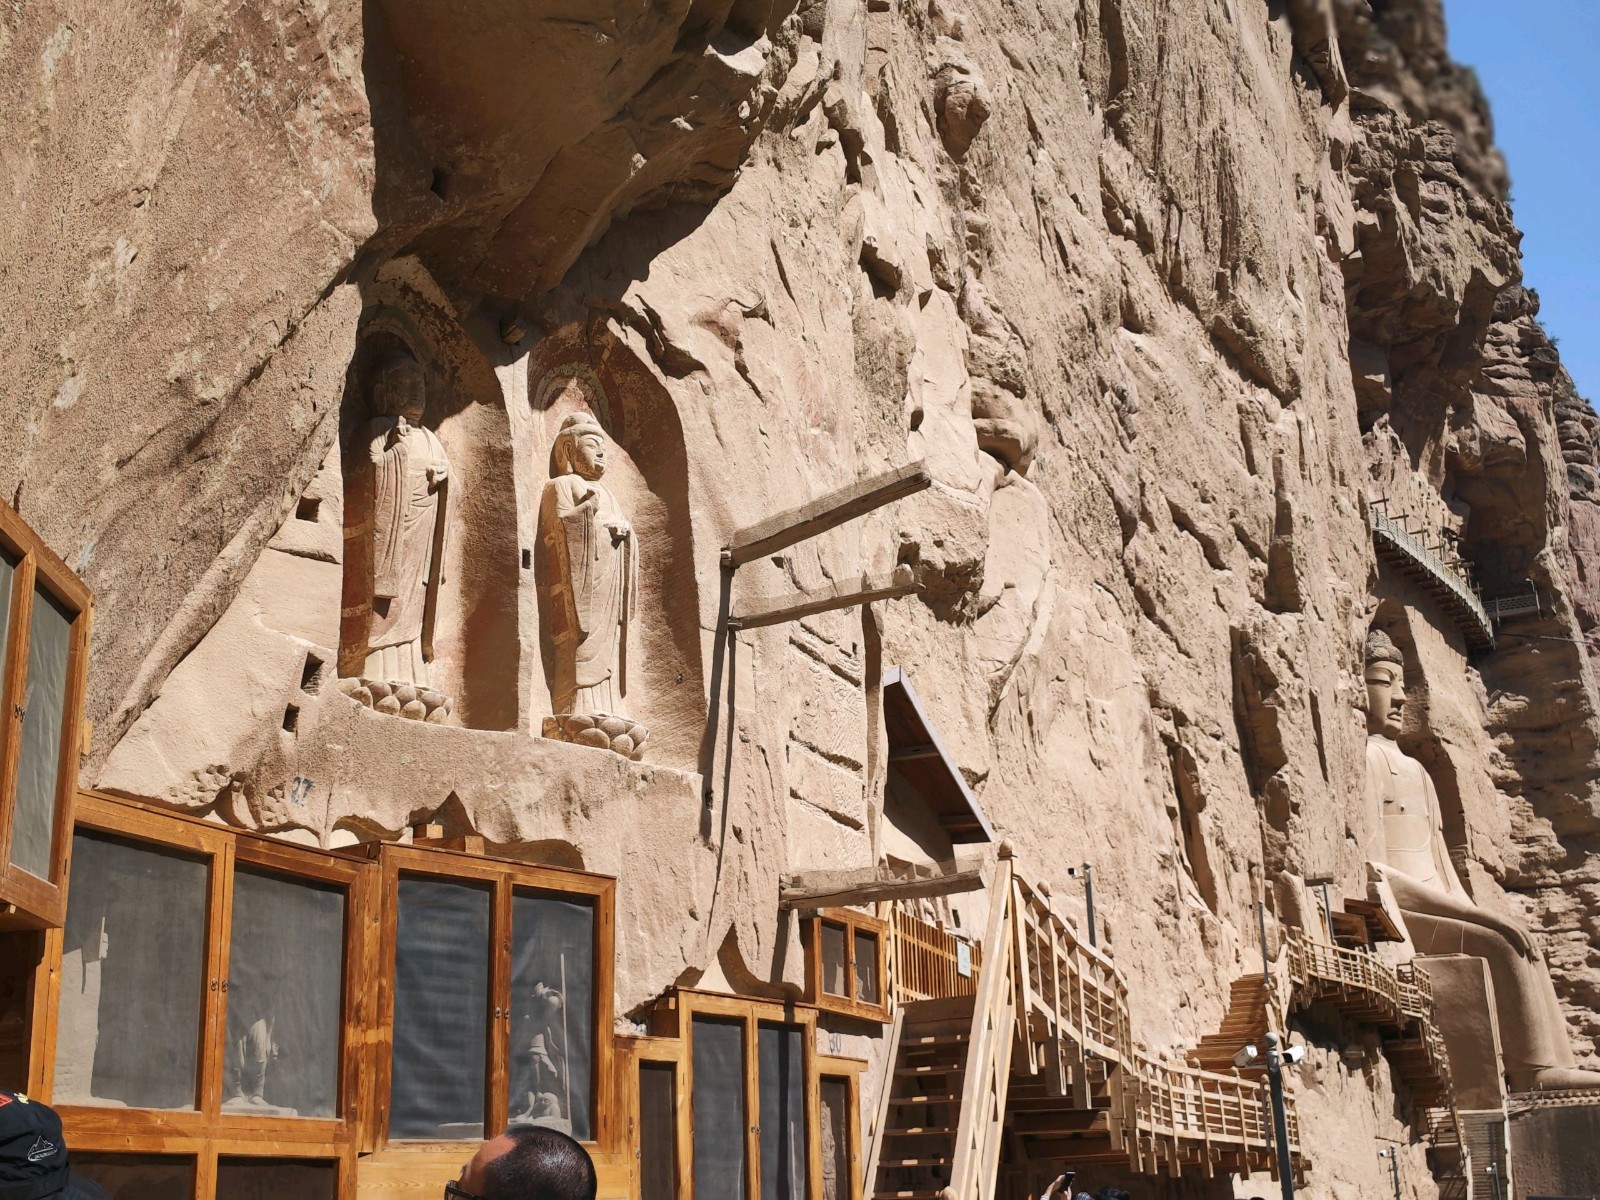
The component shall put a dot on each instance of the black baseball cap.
(34, 1154)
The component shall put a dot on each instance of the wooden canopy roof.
(920, 758)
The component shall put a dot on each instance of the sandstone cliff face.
(1165, 294)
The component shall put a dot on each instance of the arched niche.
(476, 659)
(647, 471)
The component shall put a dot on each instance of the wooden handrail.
(974, 1169)
(1081, 995)
(875, 1137)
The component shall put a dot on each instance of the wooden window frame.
(847, 1005)
(632, 1052)
(674, 1019)
(849, 1070)
(504, 878)
(26, 901)
(207, 1131)
(207, 1151)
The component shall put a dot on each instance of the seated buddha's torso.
(1407, 811)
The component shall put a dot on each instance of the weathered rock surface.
(1164, 294)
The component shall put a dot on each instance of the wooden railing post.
(975, 1166)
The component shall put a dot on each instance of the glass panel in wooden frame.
(839, 1128)
(138, 1176)
(277, 1178)
(847, 964)
(44, 636)
(228, 859)
(551, 1059)
(781, 1086)
(778, 1088)
(285, 994)
(719, 1104)
(540, 920)
(133, 975)
(658, 1130)
(441, 1009)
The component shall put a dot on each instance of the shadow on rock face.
(509, 135)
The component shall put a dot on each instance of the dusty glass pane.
(835, 1095)
(39, 764)
(552, 1013)
(866, 967)
(132, 970)
(833, 959)
(441, 1001)
(137, 1176)
(718, 1103)
(285, 969)
(658, 1131)
(269, 1179)
(783, 1111)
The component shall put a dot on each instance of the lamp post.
(1393, 1155)
(1275, 1058)
(1087, 872)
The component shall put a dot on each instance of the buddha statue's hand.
(1520, 937)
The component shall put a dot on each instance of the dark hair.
(542, 1164)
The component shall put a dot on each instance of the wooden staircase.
(1244, 1024)
(1038, 1061)
(943, 1106)
(917, 1142)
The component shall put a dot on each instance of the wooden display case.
(44, 624)
(754, 1082)
(503, 882)
(195, 1137)
(170, 917)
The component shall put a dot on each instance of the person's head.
(580, 448)
(1385, 677)
(528, 1164)
(399, 388)
(33, 1154)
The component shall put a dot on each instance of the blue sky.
(1537, 62)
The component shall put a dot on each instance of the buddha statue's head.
(399, 388)
(580, 448)
(1385, 676)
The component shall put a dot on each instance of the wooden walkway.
(1048, 1071)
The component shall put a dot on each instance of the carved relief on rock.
(397, 490)
(1409, 853)
(588, 580)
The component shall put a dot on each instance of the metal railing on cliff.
(1444, 578)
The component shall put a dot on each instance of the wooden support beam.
(824, 513)
(833, 889)
(775, 610)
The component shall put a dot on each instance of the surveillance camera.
(1246, 1056)
(1294, 1054)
